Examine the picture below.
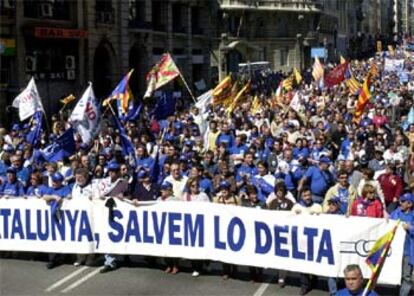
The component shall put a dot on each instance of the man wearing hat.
(53, 196)
(166, 194)
(405, 213)
(12, 187)
(112, 186)
(320, 179)
(144, 189)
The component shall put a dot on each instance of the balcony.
(275, 5)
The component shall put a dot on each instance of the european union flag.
(64, 146)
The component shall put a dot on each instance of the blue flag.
(155, 170)
(127, 147)
(132, 114)
(64, 146)
(33, 137)
(165, 106)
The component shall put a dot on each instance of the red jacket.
(363, 208)
(391, 185)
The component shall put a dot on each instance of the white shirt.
(178, 185)
(79, 192)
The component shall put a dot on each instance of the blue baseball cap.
(166, 186)
(325, 159)
(224, 185)
(142, 174)
(407, 197)
(12, 170)
(113, 166)
(56, 177)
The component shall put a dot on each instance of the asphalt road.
(30, 277)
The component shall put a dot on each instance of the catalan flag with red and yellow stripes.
(363, 98)
(317, 71)
(222, 91)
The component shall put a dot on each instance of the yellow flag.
(298, 77)
(237, 98)
(68, 99)
(255, 105)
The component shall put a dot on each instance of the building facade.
(66, 43)
(283, 32)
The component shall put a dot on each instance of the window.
(58, 10)
(159, 15)
(284, 56)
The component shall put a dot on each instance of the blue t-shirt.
(345, 292)
(319, 180)
(12, 189)
(39, 190)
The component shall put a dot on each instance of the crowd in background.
(316, 159)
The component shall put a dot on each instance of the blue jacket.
(409, 238)
(12, 189)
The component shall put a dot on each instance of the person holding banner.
(36, 189)
(354, 282)
(225, 197)
(306, 206)
(82, 190)
(194, 194)
(54, 196)
(279, 201)
(167, 194)
(12, 187)
(368, 205)
(112, 186)
(405, 213)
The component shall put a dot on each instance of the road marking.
(261, 290)
(82, 280)
(65, 279)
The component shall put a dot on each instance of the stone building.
(66, 43)
(283, 32)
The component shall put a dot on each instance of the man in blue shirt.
(320, 179)
(405, 213)
(354, 282)
(54, 196)
(12, 187)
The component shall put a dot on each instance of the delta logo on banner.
(336, 76)
(86, 117)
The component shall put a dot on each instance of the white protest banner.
(28, 101)
(86, 117)
(321, 245)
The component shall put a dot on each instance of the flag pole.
(188, 89)
(375, 273)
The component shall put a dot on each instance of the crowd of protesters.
(313, 161)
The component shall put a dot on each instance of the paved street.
(24, 277)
